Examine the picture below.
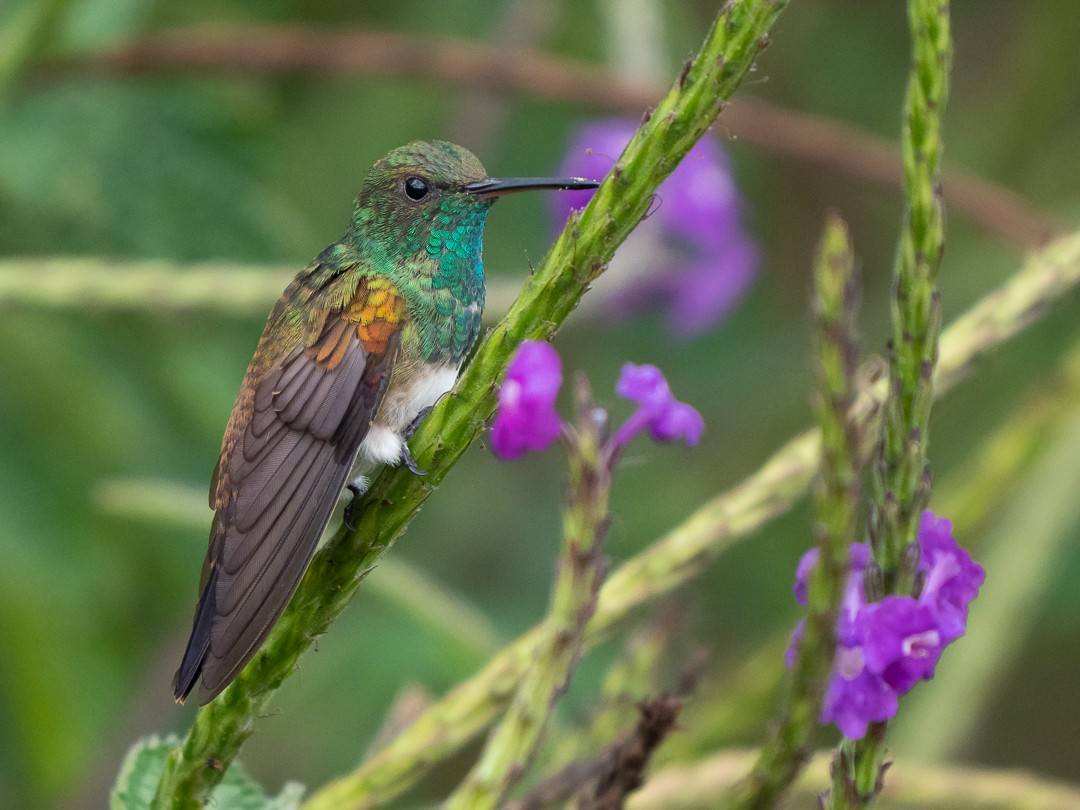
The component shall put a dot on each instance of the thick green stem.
(836, 497)
(576, 259)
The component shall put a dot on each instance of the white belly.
(399, 409)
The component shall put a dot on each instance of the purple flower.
(951, 578)
(525, 418)
(658, 411)
(884, 648)
(690, 255)
(856, 697)
(901, 641)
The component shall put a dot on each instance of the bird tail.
(199, 642)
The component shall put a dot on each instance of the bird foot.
(420, 417)
(358, 486)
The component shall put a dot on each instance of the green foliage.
(141, 771)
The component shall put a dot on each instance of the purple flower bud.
(802, 574)
(658, 411)
(690, 256)
(859, 555)
(793, 644)
(678, 421)
(525, 418)
(644, 385)
(854, 600)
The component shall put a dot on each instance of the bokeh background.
(111, 418)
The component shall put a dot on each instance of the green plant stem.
(575, 260)
(104, 284)
(683, 553)
(695, 786)
(225, 288)
(902, 472)
(515, 740)
(835, 304)
(901, 479)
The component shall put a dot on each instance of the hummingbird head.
(428, 185)
(422, 209)
(416, 185)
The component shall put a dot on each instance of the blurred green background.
(243, 166)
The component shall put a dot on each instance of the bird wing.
(278, 479)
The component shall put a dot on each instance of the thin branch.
(831, 144)
(624, 772)
(226, 288)
(911, 784)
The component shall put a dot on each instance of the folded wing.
(275, 489)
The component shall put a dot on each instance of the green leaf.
(142, 768)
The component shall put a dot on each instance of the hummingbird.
(357, 350)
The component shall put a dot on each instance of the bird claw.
(406, 455)
(351, 516)
(410, 462)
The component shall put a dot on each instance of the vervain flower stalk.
(526, 420)
(449, 724)
(901, 480)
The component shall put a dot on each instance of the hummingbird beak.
(496, 187)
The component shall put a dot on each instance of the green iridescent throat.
(433, 256)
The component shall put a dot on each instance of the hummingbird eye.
(416, 188)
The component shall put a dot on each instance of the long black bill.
(498, 186)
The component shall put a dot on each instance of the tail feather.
(199, 644)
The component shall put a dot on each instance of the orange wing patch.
(378, 311)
